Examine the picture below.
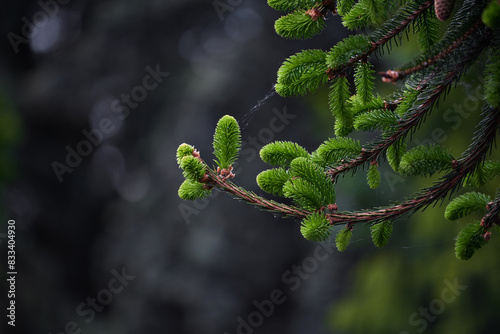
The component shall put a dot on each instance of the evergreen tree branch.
(213, 179)
(379, 41)
(475, 154)
(492, 216)
(431, 95)
(395, 75)
(309, 178)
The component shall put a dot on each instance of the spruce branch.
(423, 62)
(492, 216)
(213, 179)
(466, 204)
(381, 233)
(429, 95)
(396, 27)
(309, 178)
(475, 154)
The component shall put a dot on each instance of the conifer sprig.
(309, 178)
(428, 96)
(227, 141)
(486, 133)
(428, 59)
(473, 156)
(386, 33)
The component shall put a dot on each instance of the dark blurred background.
(95, 97)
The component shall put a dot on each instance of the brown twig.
(333, 72)
(474, 155)
(393, 76)
(416, 117)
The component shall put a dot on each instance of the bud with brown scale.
(443, 9)
(204, 179)
(487, 236)
(314, 13)
(389, 76)
(332, 207)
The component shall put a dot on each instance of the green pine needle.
(314, 174)
(290, 5)
(303, 194)
(357, 17)
(192, 190)
(227, 141)
(376, 11)
(299, 25)
(484, 173)
(469, 240)
(340, 106)
(425, 160)
(394, 154)
(466, 204)
(358, 106)
(272, 180)
(410, 96)
(492, 84)
(193, 168)
(364, 13)
(184, 150)
(427, 30)
(364, 81)
(373, 176)
(344, 6)
(376, 119)
(345, 50)
(381, 233)
(302, 73)
(309, 186)
(316, 227)
(281, 153)
(333, 150)
(343, 238)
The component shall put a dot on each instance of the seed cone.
(443, 9)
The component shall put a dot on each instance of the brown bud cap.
(332, 207)
(314, 13)
(443, 9)
(330, 73)
(389, 76)
(204, 179)
(390, 106)
(487, 236)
